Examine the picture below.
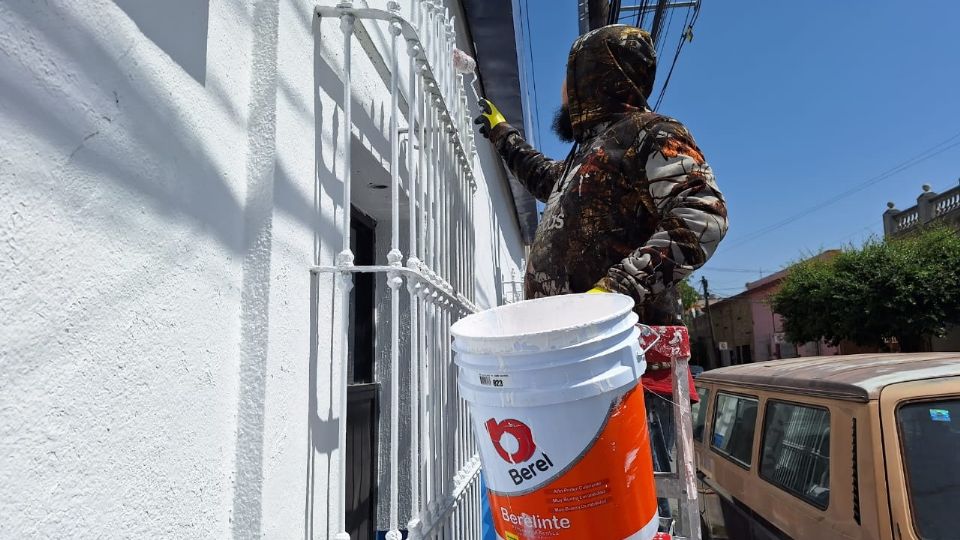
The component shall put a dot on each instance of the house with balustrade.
(932, 209)
(235, 234)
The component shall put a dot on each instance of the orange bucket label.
(569, 472)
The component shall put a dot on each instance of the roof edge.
(490, 24)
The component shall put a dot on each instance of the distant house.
(747, 330)
(934, 209)
(769, 340)
(699, 307)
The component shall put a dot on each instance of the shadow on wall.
(262, 172)
(322, 435)
(322, 429)
(173, 171)
(127, 132)
(119, 131)
(371, 149)
(179, 27)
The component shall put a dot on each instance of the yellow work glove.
(597, 290)
(489, 117)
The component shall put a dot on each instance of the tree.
(906, 288)
(688, 295)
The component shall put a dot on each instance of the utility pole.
(706, 306)
(583, 16)
(648, 9)
(592, 14)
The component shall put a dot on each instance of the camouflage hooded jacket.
(634, 208)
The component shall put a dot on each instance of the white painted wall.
(165, 184)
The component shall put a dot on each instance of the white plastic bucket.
(558, 413)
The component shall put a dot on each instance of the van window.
(796, 451)
(699, 411)
(930, 438)
(734, 423)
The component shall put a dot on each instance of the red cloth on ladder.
(674, 343)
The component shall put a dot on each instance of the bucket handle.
(652, 343)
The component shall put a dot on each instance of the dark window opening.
(362, 300)
(363, 405)
(930, 438)
(699, 413)
(363, 413)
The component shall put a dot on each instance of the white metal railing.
(445, 495)
(513, 288)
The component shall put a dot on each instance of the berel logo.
(525, 449)
(519, 431)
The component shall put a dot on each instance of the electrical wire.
(657, 25)
(688, 24)
(929, 153)
(642, 13)
(665, 31)
(736, 270)
(762, 273)
(861, 230)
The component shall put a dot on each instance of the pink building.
(745, 328)
(769, 342)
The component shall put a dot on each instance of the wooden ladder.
(682, 484)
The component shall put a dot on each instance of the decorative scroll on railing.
(445, 493)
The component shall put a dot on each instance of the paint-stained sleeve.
(536, 172)
(692, 216)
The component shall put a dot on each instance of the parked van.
(824, 448)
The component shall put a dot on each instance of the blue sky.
(793, 104)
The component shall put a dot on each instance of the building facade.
(769, 340)
(931, 209)
(746, 328)
(234, 236)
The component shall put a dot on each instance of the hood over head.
(610, 71)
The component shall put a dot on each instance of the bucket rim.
(470, 357)
(627, 306)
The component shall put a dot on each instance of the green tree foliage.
(688, 295)
(907, 288)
